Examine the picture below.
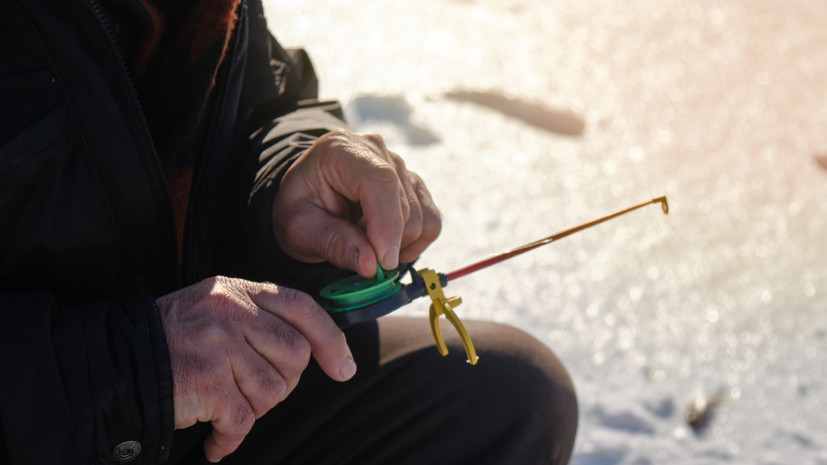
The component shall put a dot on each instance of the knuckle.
(338, 140)
(375, 139)
(236, 286)
(231, 298)
(233, 415)
(242, 419)
(432, 227)
(270, 389)
(415, 179)
(294, 346)
(335, 136)
(386, 174)
(416, 218)
(220, 282)
(304, 308)
(338, 133)
(414, 227)
(329, 244)
(273, 387)
(297, 301)
(399, 162)
(213, 334)
(298, 348)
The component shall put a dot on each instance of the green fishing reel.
(356, 299)
(356, 291)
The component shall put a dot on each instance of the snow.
(721, 106)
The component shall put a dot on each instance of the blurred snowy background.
(527, 117)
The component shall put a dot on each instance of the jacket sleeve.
(86, 384)
(285, 119)
(253, 252)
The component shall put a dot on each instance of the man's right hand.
(237, 348)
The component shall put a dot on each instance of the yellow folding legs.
(445, 306)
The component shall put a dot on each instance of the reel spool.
(356, 291)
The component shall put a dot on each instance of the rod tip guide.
(664, 204)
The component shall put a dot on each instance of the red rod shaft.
(547, 240)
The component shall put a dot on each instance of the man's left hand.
(350, 201)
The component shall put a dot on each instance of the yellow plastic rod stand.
(434, 318)
(463, 334)
(441, 305)
(440, 343)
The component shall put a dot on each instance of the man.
(159, 167)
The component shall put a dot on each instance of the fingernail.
(391, 258)
(348, 368)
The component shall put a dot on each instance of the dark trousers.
(409, 405)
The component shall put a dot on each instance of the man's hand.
(237, 349)
(350, 201)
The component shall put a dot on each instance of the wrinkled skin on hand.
(350, 201)
(238, 348)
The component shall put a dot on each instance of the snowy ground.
(721, 106)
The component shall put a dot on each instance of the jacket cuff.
(163, 370)
(122, 387)
(81, 383)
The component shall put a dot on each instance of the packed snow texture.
(527, 117)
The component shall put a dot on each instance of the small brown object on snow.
(701, 409)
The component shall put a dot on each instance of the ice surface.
(721, 106)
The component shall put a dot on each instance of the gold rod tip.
(664, 204)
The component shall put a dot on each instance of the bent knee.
(532, 388)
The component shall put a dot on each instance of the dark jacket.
(87, 237)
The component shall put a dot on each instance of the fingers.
(238, 348)
(229, 430)
(266, 379)
(255, 387)
(313, 210)
(327, 342)
(421, 223)
(386, 210)
(424, 231)
(232, 419)
(360, 169)
(314, 235)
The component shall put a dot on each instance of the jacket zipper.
(110, 35)
(203, 161)
(199, 173)
(100, 16)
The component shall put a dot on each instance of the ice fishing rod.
(356, 299)
(547, 240)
